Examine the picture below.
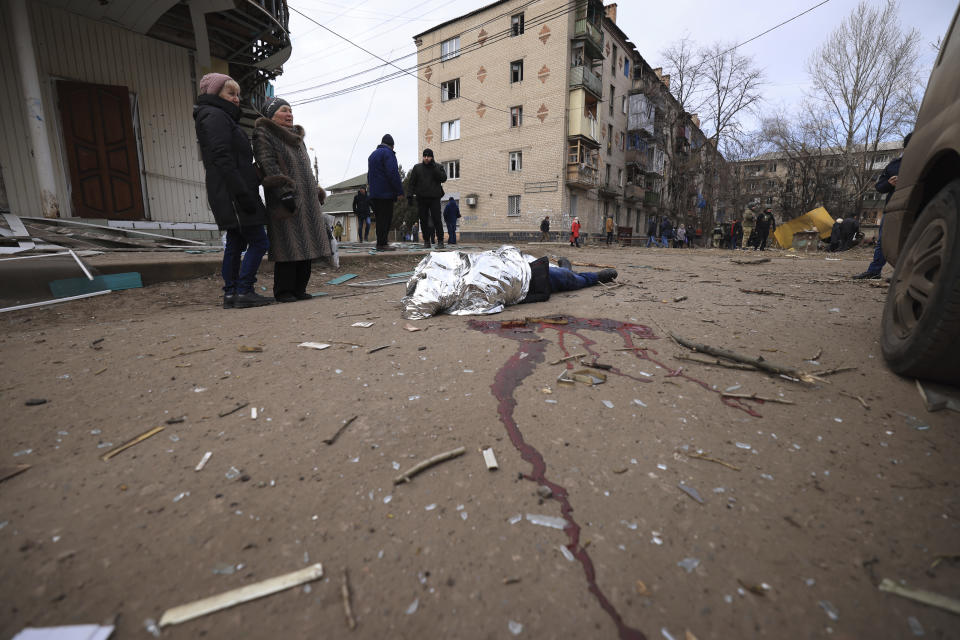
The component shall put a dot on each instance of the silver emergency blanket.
(465, 283)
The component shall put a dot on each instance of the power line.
(545, 17)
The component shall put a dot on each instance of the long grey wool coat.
(283, 160)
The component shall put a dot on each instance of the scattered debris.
(426, 464)
(830, 372)
(857, 398)
(759, 363)
(82, 286)
(362, 324)
(314, 345)
(689, 564)
(8, 472)
(127, 445)
(703, 456)
(511, 580)
(718, 362)
(410, 327)
(224, 414)
(71, 632)
(680, 298)
(940, 557)
(187, 353)
(412, 609)
(641, 588)
(345, 596)
(763, 292)
(829, 609)
(490, 459)
(228, 599)
(582, 375)
(380, 348)
(935, 400)
(342, 428)
(544, 492)
(817, 355)
(552, 522)
(175, 420)
(54, 301)
(753, 396)
(245, 349)
(342, 279)
(926, 597)
(759, 261)
(690, 491)
(203, 461)
(35, 402)
(572, 357)
(756, 589)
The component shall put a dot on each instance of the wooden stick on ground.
(186, 353)
(703, 456)
(857, 398)
(590, 264)
(345, 596)
(127, 445)
(718, 362)
(759, 363)
(224, 414)
(342, 428)
(926, 597)
(762, 292)
(426, 464)
(753, 396)
(232, 598)
(564, 359)
(760, 261)
(830, 372)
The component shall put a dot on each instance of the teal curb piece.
(343, 278)
(111, 282)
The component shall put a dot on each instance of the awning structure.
(819, 219)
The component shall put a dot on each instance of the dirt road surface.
(685, 513)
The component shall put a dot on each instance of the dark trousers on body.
(240, 269)
(452, 231)
(431, 222)
(762, 234)
(383, 212)
(365, 228)
(566, 280)
(291, 278)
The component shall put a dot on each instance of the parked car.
(921, 233)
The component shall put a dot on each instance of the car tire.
(921, 319)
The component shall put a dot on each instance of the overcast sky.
(343, 130)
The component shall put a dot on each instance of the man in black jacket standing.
(425, 180)
(361, 207)
(765, 224)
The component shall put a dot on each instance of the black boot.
(250, 299)
(563, 263)
(606, 275)
(228, 300)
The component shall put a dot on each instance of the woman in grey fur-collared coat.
(298, 230)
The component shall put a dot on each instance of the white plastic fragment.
(566, 553)
(490, 459)
(362, 324)
(232, 473)
(515, 627)
(515, 519)
(253, 413)
(547, 521)
(637, 401)
(431, 506)
(412, 609)
(181, 496)
(314, 345)
(830, 610)
(915, 627)
(666, 634)
(689, 564)
(608, 404)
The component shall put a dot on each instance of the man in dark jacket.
(232, 188)
(425, 180)
(361, 207)
(666, 231)
(652, 232)
(736, 234)
(383, 176)
(835, 235)
(765, 224)
(450, 214)
(545, 229)
(848, 232)
(887, 183)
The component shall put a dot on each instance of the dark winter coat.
(545, 225)
(361, 205)
(666, 228)
(425, 180)
(383, 174)
(232, 180)
(303, 234)
(883, 183)
(652, 228)
(451, 212)
(765, 221)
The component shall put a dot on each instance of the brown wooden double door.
(101, 150)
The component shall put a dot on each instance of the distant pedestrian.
(232, 188)
(425, 180)
(338, 231)
(451, 213)
(298, 230)
(765, 224)
(383, 176)
(361, 207)
(545, 229)
(608, 225)
(887, 183)
(666, 231)
(652, 232)
(682, 236)
(575, 232)
(736, 234)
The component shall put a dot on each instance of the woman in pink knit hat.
(233, 188)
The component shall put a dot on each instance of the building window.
(607, 181)
(516, 25)
(450, 48)
(450, 130)
(516, 116)
(769, 200)
(516, 71)
(626, 74)
(450, 89)
(452, 167)
(613, 61)
(771, 184)
(773, 166)
(516, 160)
(623, 103)
(513, 205)
(609, 139)
(613, 90)
(619, 177)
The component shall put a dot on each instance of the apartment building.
(528, 105)
(794, 183)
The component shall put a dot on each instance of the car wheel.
(921, 319)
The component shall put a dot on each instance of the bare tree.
(732, 85)
(681, 61)
(800, 143)
(865, 76)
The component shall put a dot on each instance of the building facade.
(97, 98)
(545, 109)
